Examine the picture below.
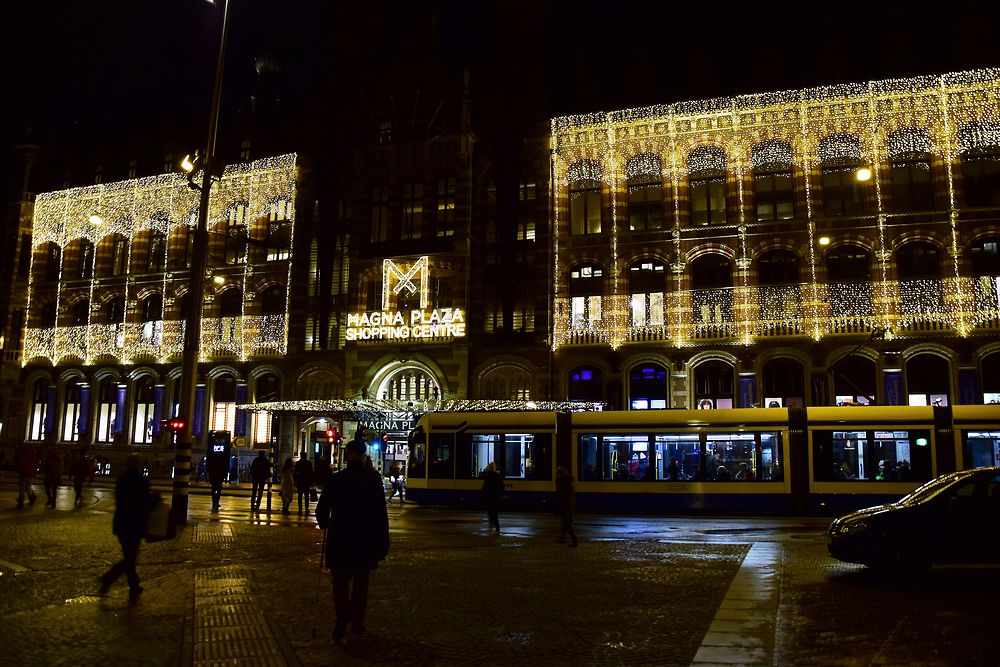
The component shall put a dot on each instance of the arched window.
(910, 151)
(779, 295)
(585, 198)
(152, 319)
(647, 281)
(71, 412)
(645, 192)
(778, 267)
(586, 285)
(231, 303)
(928, 380)
(114, 310)
(774, 190)
(840, 158)
(107, 409)
(83, 268)
(783, 383)
(81, 312)
(39, 409)
(181, 247)
(711, 278)
(918, 259)
(272, 301)
(707, 179)
(854, 380)
(586, 384)
(991, 380)
(979, 143)
(847, 264)
(647, 387)
(142, 413)
(713, 384)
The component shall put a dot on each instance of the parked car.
(950, 519)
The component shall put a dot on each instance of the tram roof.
(334, 406)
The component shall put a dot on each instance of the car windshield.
(930, 489)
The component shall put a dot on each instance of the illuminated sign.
(390, 324)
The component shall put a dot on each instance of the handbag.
(159, 527)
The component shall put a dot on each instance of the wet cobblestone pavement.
(234, 590)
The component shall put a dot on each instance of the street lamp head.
(95, 219)
(187, 165)
(863, 174)
(219, 280)
(824, 240)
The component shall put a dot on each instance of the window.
(380, 214)
(107, 406)
(711, 280)
(647, 279)
(119, 256)
(645, 192)
(585, 287)
(525, 230)
(911, 185)
(272, 301)
(49, 313)
(778, 267)
(279, 231)
(918, 259)
(985, 257)
(157, 252)
(847, 264)
(39, 408)
(928, 380)
(875, 456)
(783, 378)
(152, 320)
(24, 258)
(81, 312)
(245, 150)
(517, 455)
(142, 414)
(71, 412)
(707, 180)
(981, 448)
(440, 456)
(586, 384)
(53, 259)
(413, 211)
(981, 178)
(843, 193)
(114, 310)
(266, 424)
(771, 161)
(169, 166)
(85, 263)
(648, 387)
(585, 207)
(236, 235)
(231, 303)
(713, 384)
(224, 404)
(445, 219)
(132, 164)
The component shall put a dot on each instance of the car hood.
(865, 513)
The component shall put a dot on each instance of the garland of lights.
(161, 204)
(853, 124)
(332, 407)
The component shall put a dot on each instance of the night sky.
(87, 68)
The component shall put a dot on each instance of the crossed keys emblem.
(392, 271)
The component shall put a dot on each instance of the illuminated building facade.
(724, 253)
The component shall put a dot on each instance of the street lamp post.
(196, 293)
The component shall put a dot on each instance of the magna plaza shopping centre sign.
(389, 324)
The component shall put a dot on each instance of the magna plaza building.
(815, 247)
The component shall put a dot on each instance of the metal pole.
(196, 295)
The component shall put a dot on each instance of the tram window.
(616, 458)
(589, 465)
(440, 462)
(539, 462)
(981, 448)
(484, 449)
(880, 456)
(732, 456)
(678, 456)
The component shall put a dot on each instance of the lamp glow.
(864, 174)
(186, 164)
(824, 240)
(95, 219)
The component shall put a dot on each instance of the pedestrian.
(27, 465)
(218, 471)
(53, 475)
(287, 484)
(352, 511)
(490, 495)
(81, 471)
(133, 501)
(396, 479)
(565, 504)
(260, 469)
(203, 470)
(303, 479)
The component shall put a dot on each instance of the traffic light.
(176, 424)
(331, 433)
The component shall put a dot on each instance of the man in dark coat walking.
(133, 502)
(352, 509)
(490, 494)
(260, 469)
(303, 472)
(565, 504)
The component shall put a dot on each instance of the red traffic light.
(331, 433)
(175, 424)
